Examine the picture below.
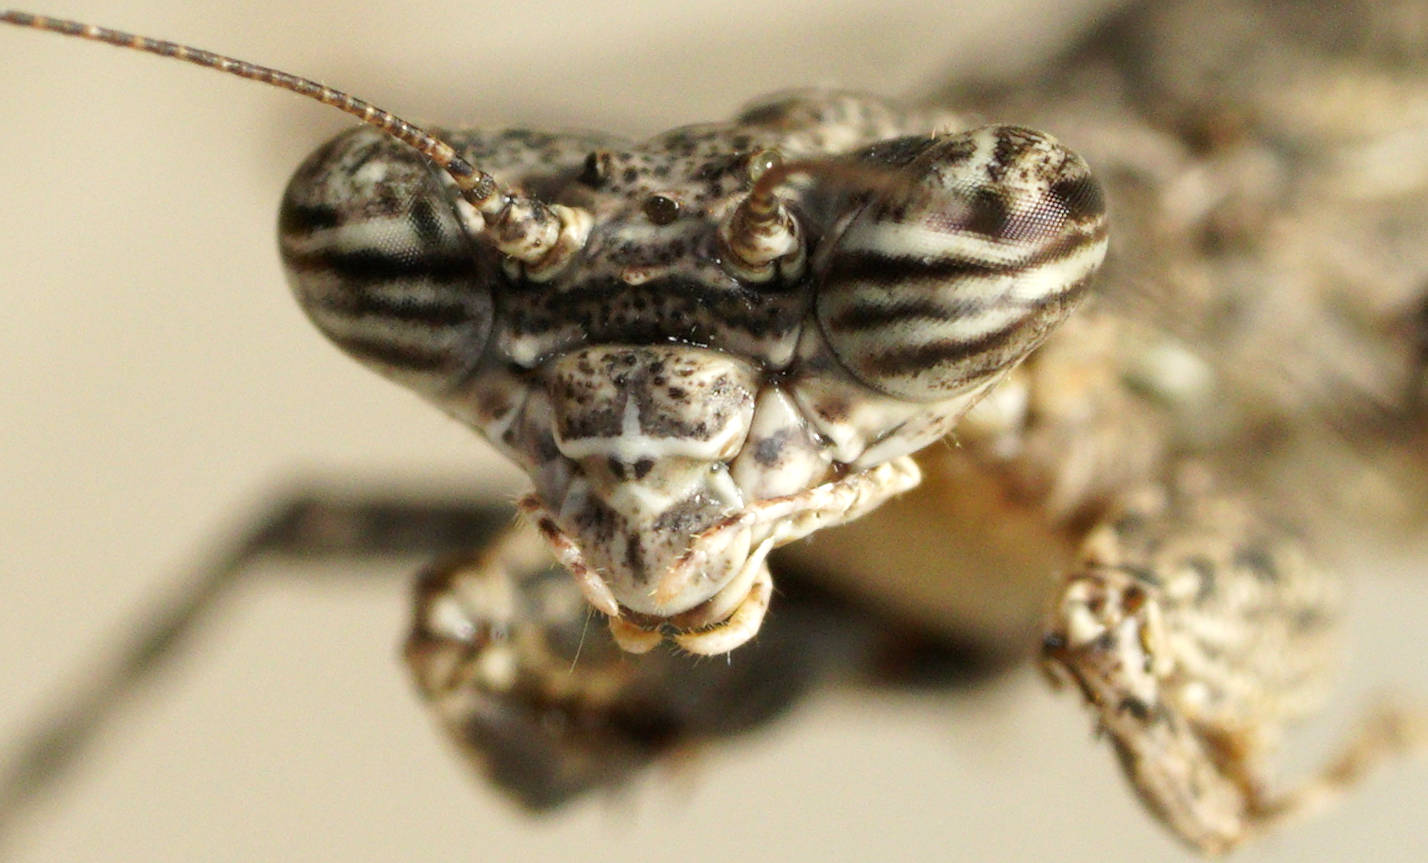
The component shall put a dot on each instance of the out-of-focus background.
(158, 381)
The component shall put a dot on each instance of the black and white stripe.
(928, 298)
(382, 265)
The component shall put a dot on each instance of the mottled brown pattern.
(1266, 300)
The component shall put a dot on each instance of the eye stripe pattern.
(925, 300)
(388, 276)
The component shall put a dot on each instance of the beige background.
(158, 379)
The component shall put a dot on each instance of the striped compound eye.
(381, 263)
(945, 284)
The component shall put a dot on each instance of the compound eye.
(944, 284)
(381, 263)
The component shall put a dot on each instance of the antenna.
(529, 230)
(762, 237)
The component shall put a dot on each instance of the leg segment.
(547, 704)
(1197, 632)
(306, 522)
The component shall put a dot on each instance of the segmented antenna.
(762, 238)
(529, 229)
